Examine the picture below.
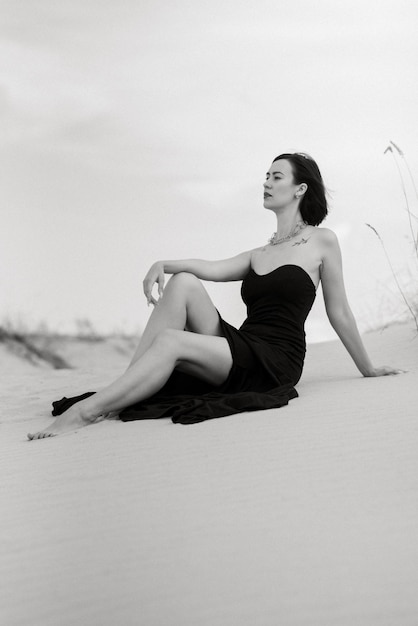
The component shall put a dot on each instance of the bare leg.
(203, 356)
(185, 304)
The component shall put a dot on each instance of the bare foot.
(73, 419)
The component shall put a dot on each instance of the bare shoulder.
(256, 251)
(327, 241)
(325, 235)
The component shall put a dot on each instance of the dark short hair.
(313, 205)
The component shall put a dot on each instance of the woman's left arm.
(339, 311)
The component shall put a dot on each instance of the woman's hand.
(385, 370)
(155, 275)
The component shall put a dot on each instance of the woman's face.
(279, 188)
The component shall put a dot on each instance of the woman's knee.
(184, 280)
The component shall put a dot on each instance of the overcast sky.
(139, 130)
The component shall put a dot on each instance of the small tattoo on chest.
(298, 243)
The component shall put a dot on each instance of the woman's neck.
(286, 221)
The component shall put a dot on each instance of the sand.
(305, 515)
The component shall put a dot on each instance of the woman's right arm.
(225, 270)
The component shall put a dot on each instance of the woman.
(192, 365)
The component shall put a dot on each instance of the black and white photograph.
(209, 313)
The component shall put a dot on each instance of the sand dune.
(306, 515)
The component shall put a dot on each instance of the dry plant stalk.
(394, 275)
(410, 216)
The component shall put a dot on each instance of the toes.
(40, 435)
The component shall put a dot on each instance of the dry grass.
(410, 299)
(25, 347)
(44, 347)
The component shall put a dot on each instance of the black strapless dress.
(268, 352)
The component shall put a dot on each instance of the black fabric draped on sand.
(268, 353)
